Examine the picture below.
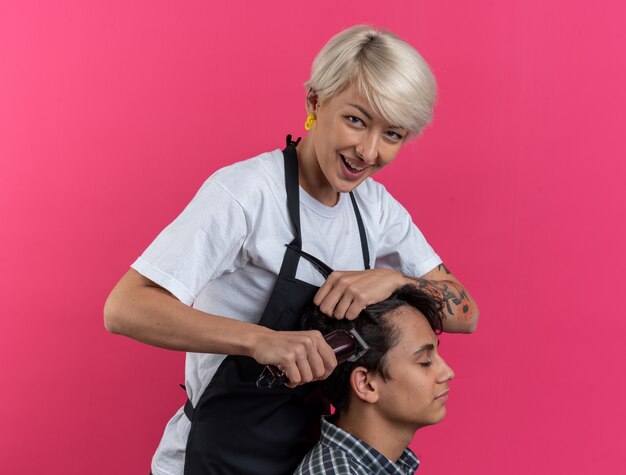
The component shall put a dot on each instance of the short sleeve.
(402, 246)
(203, 242)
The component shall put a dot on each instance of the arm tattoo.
(454, 299)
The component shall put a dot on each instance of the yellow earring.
(310, 120)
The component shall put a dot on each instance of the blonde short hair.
(387, 72)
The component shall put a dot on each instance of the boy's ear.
(364, 384)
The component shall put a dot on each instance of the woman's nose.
(367, 150)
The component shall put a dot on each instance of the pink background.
(113, 113)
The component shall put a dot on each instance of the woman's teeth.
(351, 165)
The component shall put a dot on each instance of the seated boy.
(397, 387)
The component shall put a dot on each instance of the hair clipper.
(347, 345)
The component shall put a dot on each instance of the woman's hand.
(303, 356)
(346, 294)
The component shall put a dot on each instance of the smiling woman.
(347, 144)
(368, 93)
(220, 283)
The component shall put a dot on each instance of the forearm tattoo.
(455, 301)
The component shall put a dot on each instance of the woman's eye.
(354, 120)
(393, 135)
(426, 364)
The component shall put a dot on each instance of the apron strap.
(292, 184)
(321, 267)
(189, 410)
(294, 248)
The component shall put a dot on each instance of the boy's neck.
(386, 438)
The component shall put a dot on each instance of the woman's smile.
(354, 167)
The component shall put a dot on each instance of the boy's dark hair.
(378, 332)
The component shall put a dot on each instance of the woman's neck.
(311, 177)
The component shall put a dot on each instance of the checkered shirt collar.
(366, 455)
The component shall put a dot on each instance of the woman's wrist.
(251, 337)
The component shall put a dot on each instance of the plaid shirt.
(340, 453)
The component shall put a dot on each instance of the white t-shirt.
(224, 251)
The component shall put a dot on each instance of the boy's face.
(415, 393)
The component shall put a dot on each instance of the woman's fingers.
(329, 359)
(331, 298)
(303, 356)
(346, 294)
(341, 309)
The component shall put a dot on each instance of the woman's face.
(350, 142)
